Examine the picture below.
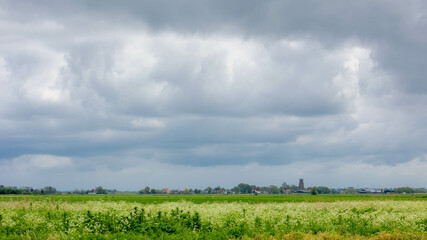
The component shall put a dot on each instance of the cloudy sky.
(198, 93)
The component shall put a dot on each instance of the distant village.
(242, 188)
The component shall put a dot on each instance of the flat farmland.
(213, 217)
(211, 198)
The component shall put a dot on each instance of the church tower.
(301, 184)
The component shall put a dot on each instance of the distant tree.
(217, 189)
(245, 188)
(284, 186)
(186, 191)
(81, 191)
(147, 190)
(314, 191)
(404, 190)
(274, 189)
(100, 190)
(49, 190)
(323, 190)
(26, 190)
(36, 191)
(155, 191)
(10, 190)
(293, 188)
(111, 191)
(420, 190)
(349, 191)
(209, 190)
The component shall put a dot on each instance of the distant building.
(92, 191)
(256, 192)
(303, 191)
(374, 190)
(166, 191)
(301, 184)
(362, 191)
(338, 190)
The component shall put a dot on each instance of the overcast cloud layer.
(196, 93)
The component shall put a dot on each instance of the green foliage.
(349, 191)
(176, 222)
(10, 190)
(314, 191)
(323, 190)
(209, 190)
(146, 190)
(404, 190)
(244, 188)
(184, 220)
(100, 190)
(204, 198)
(49, 190)
(410, 190)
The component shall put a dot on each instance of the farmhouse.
(256, 192)
(389, 191)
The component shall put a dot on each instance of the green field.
(211, 198)
(213, 217)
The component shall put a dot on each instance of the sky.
(197, 93)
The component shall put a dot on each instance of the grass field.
(211, 198)
(214, 217)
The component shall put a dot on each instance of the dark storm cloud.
(108, 86)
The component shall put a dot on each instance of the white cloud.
(172, 73)
(147, 123)
(41, 161)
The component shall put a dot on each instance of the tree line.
(242, 188)
(51, 190)
(27, 190)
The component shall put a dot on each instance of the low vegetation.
(61, 219)
(212, 198)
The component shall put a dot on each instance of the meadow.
(214, 217)
(212, 198)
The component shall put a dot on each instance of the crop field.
(213, 217)
(212, 198)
